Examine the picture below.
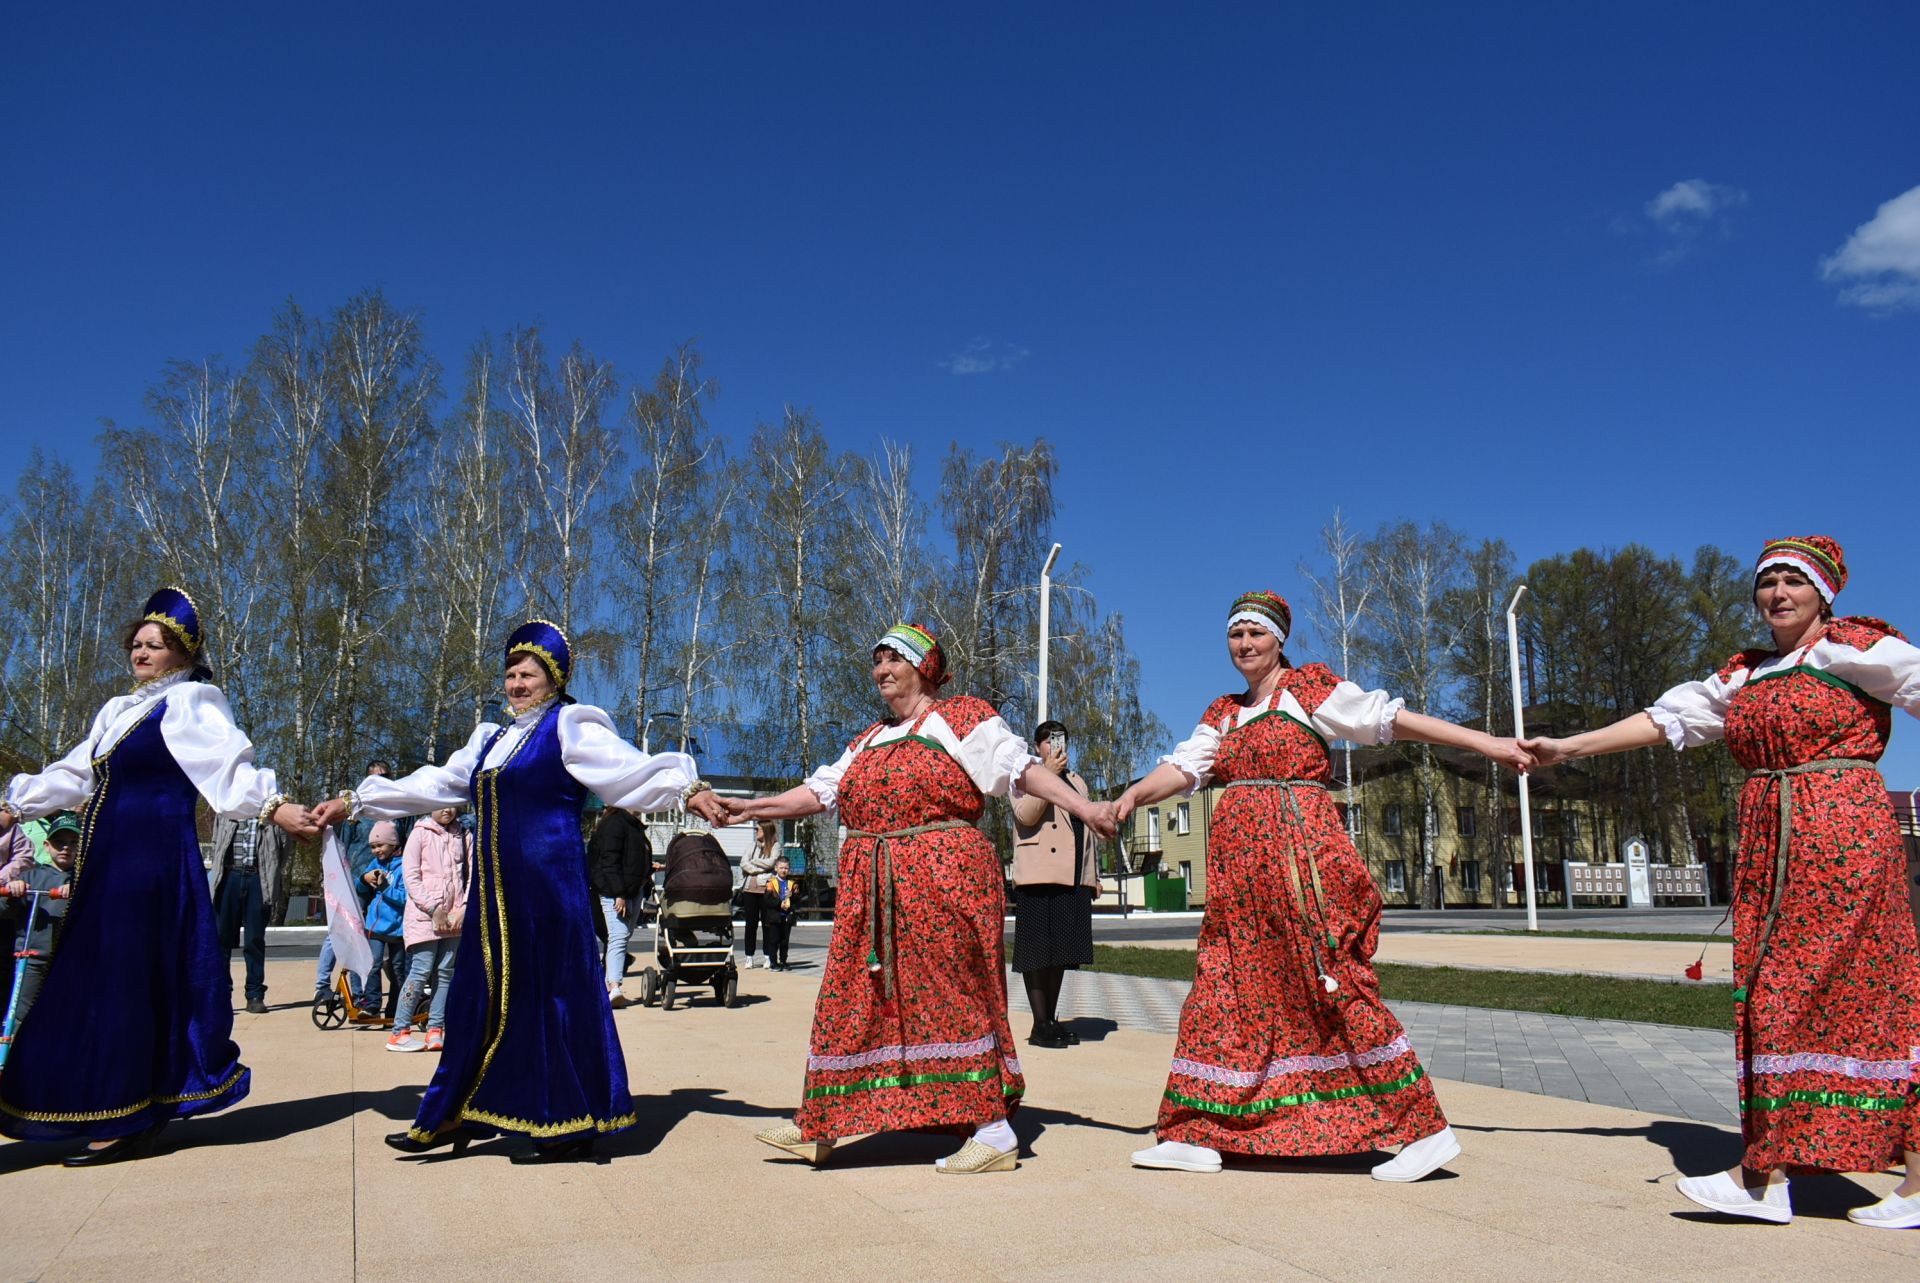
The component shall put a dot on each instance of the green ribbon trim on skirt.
(906, 1080)
(1302, 1098)
(1831, 1099)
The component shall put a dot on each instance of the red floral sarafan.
(1270, 1060)
(1828, 1032)
(910, 1028)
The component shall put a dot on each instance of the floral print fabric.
(1268, 1061)
(925, 1041)
(1829, 1033)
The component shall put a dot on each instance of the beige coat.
(1043, 843)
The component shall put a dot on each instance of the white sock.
(995, 1135)
(998, 1134)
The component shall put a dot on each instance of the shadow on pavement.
(1698, 1149)
(659, 1115)
(1091, 1028)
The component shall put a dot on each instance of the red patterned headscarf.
(1817, 557)
(920, 648)
(1268, 610)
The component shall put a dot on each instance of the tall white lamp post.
(1519, 730)
(1046, 612)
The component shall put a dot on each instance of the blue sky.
(1563, 275)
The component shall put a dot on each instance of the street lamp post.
(1520, 730)
(1046, 613)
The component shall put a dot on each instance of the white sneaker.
(1422, 1158)
(1890, 1213)
(1176, 1156)
(1721, 1193)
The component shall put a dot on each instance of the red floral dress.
(1269, 1061)
(1828, 1033)
(910, 1029)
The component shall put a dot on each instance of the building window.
(1186, 873)
(1183, 818)
(1390, 820)
(1396, 877)
(1572, 823)
(1470, 876)
(1153, 828)
(1463, 821)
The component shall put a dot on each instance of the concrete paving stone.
(1550, 1185)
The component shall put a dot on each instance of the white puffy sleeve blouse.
(1347, 713)
(993, 757)
(590, 749)
(198, 730)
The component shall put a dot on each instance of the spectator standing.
(20, 853)
(434, 868)
(386, 915)
(619, 867)
(248, 862)
(38, 935)
(778, 910)
(1055, 879)
(753, 882)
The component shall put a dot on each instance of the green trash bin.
(1166, 895)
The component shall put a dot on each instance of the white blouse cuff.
(1671, 725)
(1194, 778)
(1010, 761)
(824, 789)
(1384, 731)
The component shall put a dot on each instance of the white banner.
(346, 928)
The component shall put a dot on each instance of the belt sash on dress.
(1315, 929)
(881, 895)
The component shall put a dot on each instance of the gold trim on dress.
(105, 1115)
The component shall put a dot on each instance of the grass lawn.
(1684, 937)
(1703, 1006)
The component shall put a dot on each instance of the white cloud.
(1879, 266)
(1685, 213)
(1692, 202)
(984, 356)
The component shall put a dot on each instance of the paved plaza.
(295, 1184)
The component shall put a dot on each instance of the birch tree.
(1415, 569)
(1337, 612)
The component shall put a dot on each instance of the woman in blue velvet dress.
(530, 1043)
(134, 1026)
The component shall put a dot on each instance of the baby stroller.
(693, 931)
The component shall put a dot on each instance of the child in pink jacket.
(436, 866)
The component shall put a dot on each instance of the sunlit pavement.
(294, 1183)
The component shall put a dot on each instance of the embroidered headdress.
(174, 611)
(918, 647)
(1268, 610)
(543, 640)
(1817, 557)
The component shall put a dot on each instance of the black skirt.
(1052, 927)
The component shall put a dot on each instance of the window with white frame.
(1390, 819)
(1396, 877)
(1183, 818)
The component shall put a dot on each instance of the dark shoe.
(257, 1006)
(560, 1151)
(458, 1137)
(138, 1145)
(1073, 1039)
(1048, 1036)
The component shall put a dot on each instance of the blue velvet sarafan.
(530, 1042)
(134, 1025)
